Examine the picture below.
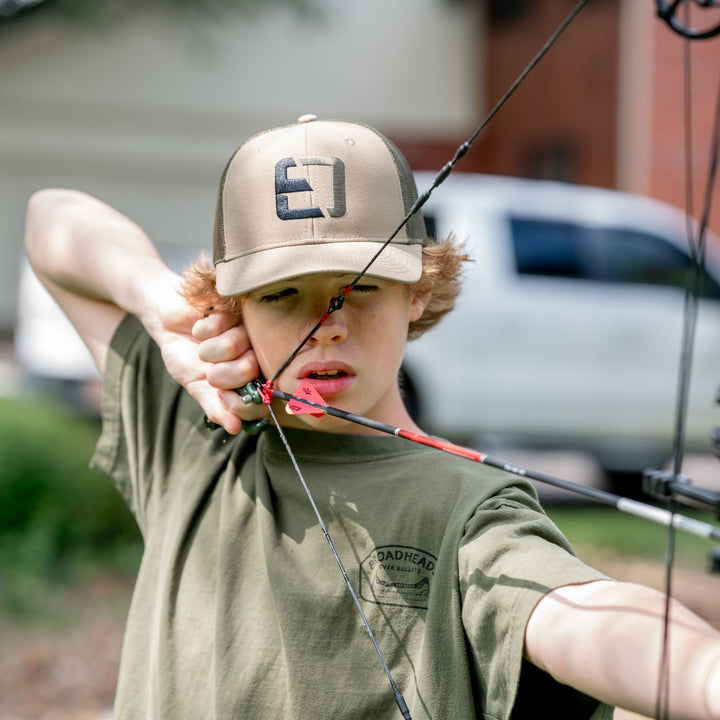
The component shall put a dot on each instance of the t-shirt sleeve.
(512, 554)
(143, 414)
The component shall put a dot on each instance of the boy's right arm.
(95, 262)
(99, 265)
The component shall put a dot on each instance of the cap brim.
(397, 262)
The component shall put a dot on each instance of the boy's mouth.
(331, 379)
(326, 374)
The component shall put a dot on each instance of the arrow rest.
(665, 484)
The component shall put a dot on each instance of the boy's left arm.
(605, 639)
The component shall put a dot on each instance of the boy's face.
(352, 360)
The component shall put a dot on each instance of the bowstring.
(399, 699)
(336, 303)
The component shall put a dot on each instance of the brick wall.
(562, 123)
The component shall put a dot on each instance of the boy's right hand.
(231, 363)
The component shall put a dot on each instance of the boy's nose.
(333, 330)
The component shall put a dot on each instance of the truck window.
(629, 256)
(612, 255)
(430, 225)
(549, 248)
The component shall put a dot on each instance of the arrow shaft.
(626, 505)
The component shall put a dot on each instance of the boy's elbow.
(36, 210)
(43, 201)
(45, 209)
(48, 201)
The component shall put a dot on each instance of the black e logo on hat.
(285, 185)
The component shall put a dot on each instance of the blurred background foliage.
(59, 520)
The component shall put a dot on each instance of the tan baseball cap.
(315, 197)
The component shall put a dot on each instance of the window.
(547, 248)
(612, 255)
(635, 257)
(430, 225)
(556, 160)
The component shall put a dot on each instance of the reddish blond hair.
(441, 278)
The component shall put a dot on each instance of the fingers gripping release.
(254, 392)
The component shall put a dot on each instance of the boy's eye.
(362, 288)
(277, 296)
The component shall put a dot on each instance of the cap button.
(307, 118)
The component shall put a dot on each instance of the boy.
(475, 599)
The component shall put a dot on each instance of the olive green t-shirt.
(240, 610)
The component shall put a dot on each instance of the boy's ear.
(418, 303)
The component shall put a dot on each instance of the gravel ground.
(69, 672)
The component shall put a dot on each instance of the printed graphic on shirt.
(397, 575)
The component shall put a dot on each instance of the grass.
(600, 531)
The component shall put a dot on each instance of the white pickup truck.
(568, 331)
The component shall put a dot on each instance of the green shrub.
(56, 514)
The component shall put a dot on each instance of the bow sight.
(668, 11)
